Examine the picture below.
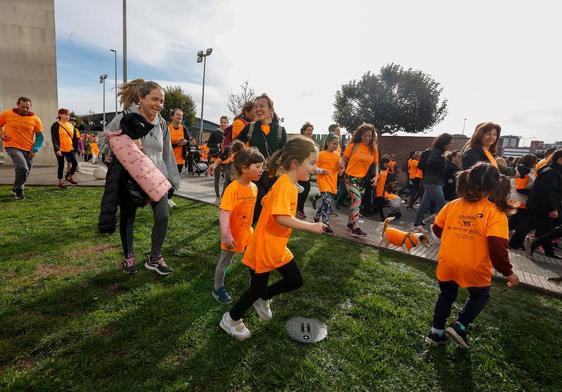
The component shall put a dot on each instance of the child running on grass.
(236, 212)
(267, 250)
(327, 168)
(474, 232)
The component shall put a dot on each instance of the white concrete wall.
(28, 63)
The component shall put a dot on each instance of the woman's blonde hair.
(299, 148)
(131, 92)
(481, 129)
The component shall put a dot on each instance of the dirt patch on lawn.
(44, 270)
(94, 250)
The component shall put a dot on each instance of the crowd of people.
(475, 197)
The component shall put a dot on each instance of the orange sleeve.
(2, 119)
(347, 151)
(237, 127)
(497, 225)
(228, 199)
(281, 204)
(442, 216)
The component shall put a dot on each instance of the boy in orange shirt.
(474, 233)
(236, 214)
(267, 250)
(327, 179)
(20, 131)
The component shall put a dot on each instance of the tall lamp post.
(463, 126)
(202, 57)
(102, 81)
(124, 41)
(115, 53)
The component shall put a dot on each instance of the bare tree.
(237, 101)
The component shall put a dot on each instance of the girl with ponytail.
(474, 233)
(267, 250)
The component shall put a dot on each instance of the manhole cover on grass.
(306, 330)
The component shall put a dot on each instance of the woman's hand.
(58, 153)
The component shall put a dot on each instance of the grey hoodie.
(156, 145)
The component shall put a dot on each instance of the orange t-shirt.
(463, 256)
(329, 161)
(240, 201)
(267, 249)
(66, 134)
(95, 149)
(204, 151)
(176, 135)
(360, 160)
(381, 183)
(20, 130)
(391, 165)
(542, 163)
(237, 126)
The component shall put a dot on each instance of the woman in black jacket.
(453, 167)
(268, 136)
(434, 177)
(482, 146)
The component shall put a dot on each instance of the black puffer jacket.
(135, 126)
(546, 193)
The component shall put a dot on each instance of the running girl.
(267, 250)
(474, 232)
(359, 155)
(236, 213)
(327, 168)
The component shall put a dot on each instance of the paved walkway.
(535, 275)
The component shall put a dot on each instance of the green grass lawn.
(71, 320)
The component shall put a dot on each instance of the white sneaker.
(236, 330)
(171, 203)
(263, 308)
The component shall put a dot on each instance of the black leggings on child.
(292, 280)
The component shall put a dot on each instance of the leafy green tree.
(175, 97)
(394, 100)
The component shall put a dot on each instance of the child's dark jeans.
(477, 300)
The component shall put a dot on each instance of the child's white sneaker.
(235, 329)
(263, 308)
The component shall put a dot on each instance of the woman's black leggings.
(159, 228)
(292, 280)
(71, 158)
(303, 195)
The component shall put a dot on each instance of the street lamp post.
(102, 81)
(115, 53)
(463, 126)
(124, 41)
(202, 57)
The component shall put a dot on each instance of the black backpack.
(422, 164)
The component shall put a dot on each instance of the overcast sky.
(496, 60)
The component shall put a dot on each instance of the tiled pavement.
(534, 275)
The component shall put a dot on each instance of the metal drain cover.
(306, 330)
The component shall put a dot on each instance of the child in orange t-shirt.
(474, 233)
(382, 197)
(327, 168)
(267, 250)
(236, 214)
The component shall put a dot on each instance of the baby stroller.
(195, 164)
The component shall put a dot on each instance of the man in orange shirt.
(20, 130)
